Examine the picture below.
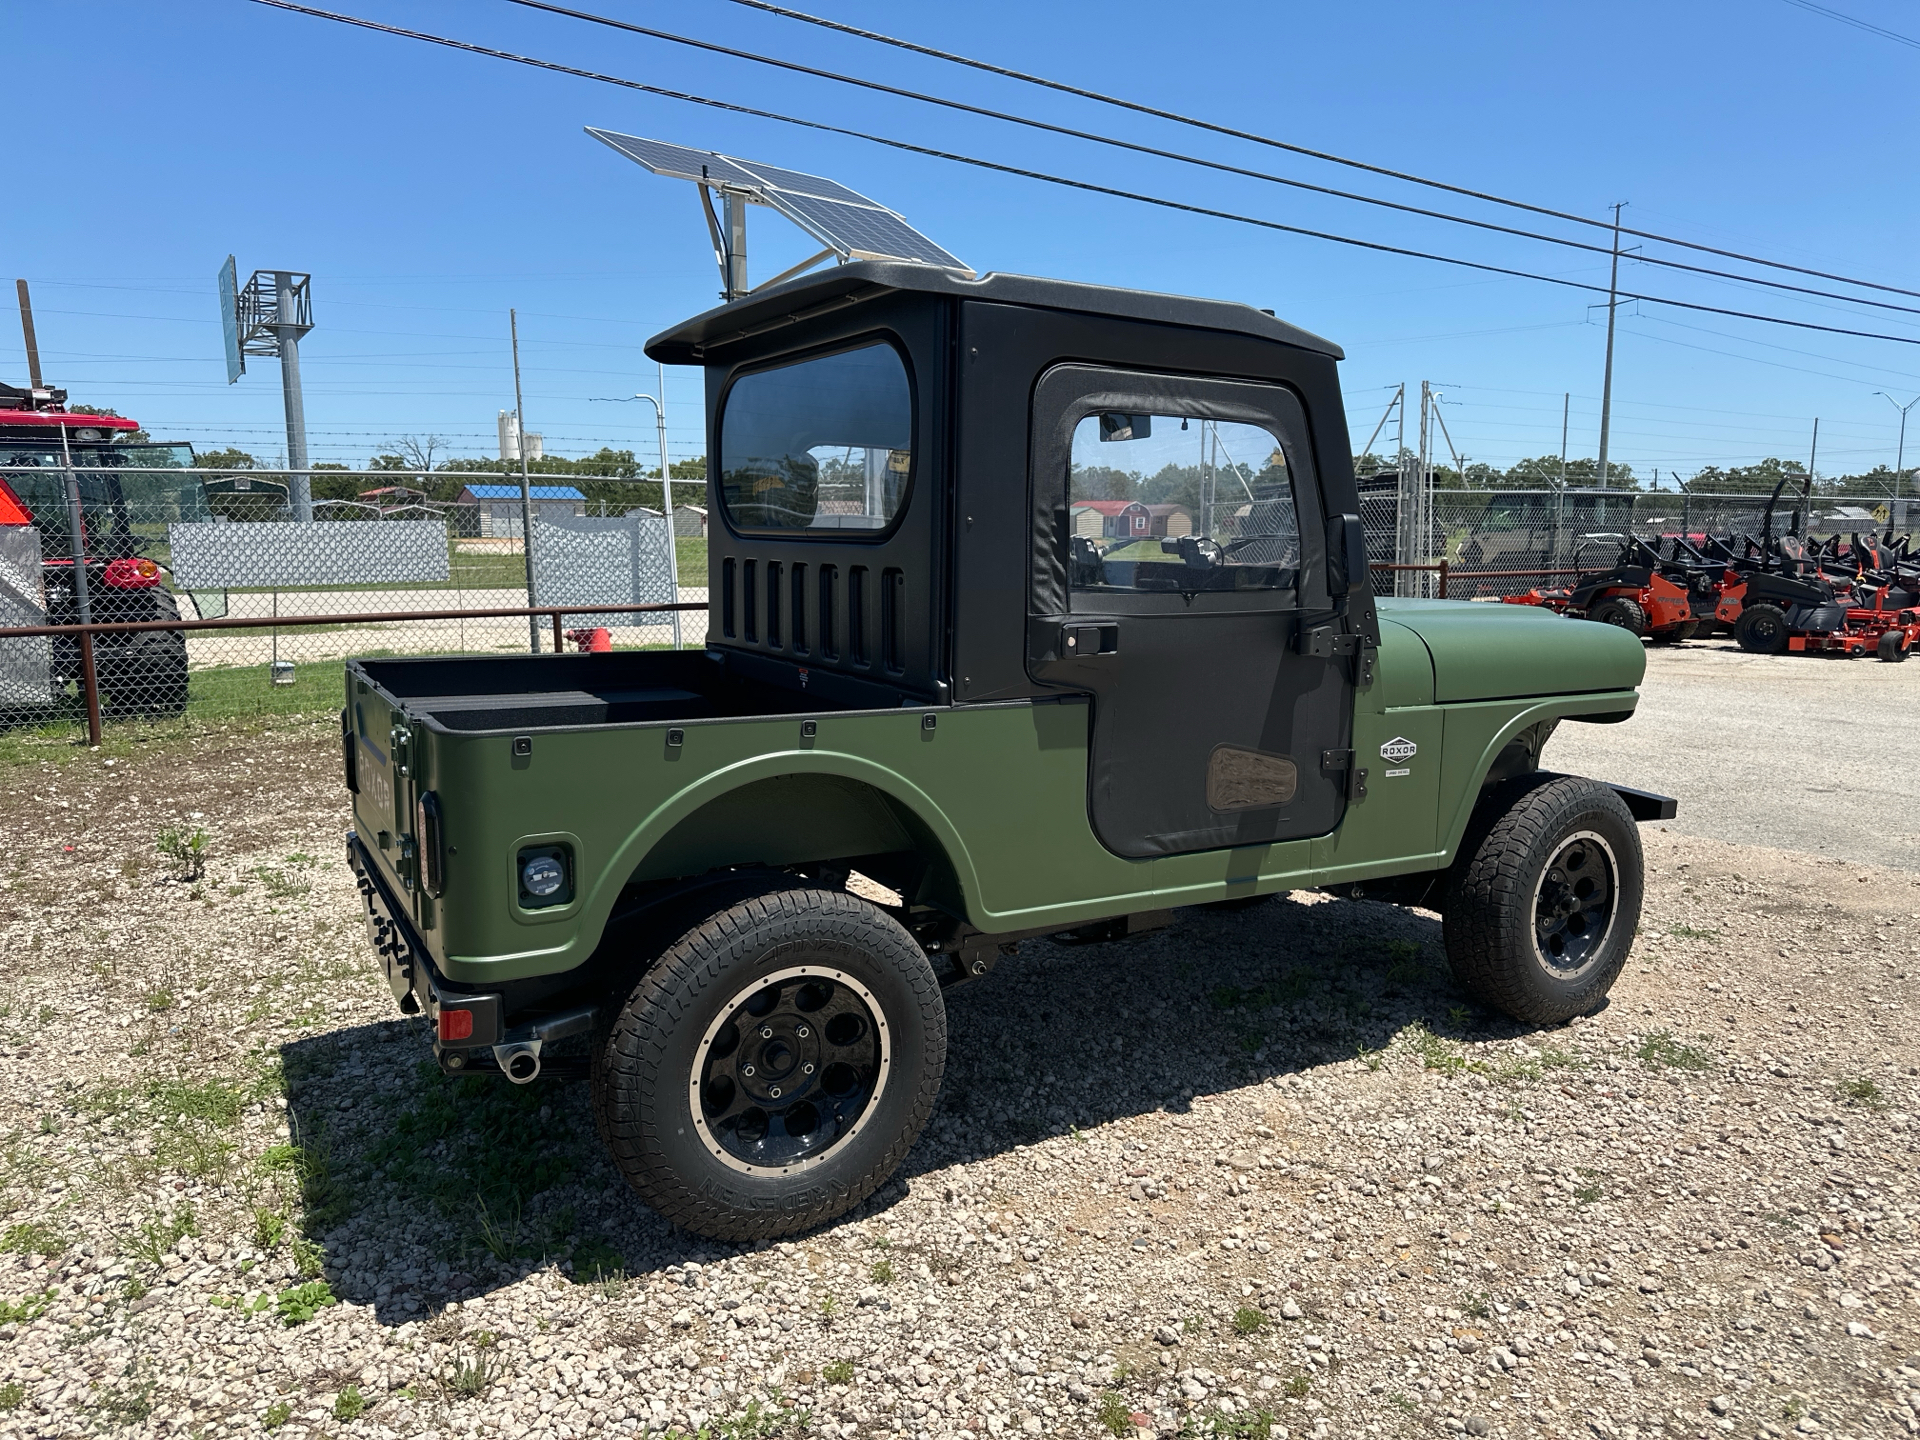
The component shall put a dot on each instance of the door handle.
(1084, 642)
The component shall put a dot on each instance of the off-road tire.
(1891, 647)
(1618, 610)
(1497, 885)
(147, 674)
(641, 1082)
(1761, 629)
(1674, 634)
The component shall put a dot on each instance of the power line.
(1222, 167)
(1855, 22)
(1061, 180)
(1332, 159)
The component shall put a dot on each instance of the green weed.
(1860, 1092)
(1660, 1051)
(1297, 1387)
(300, 1303)
(32, 1238)
(157, 1236)
(1114, 1416)
(1247, 1320)
(1477, 1304)
(11, 1395)
(27, 1307)
(882, 1272)
(349, 1405)
(1687, 932)
(1244, 1424)
(837, 1372)
(269, 1229)
(277, 1415)
(187, 849)
(215, 1102)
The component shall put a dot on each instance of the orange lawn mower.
(1665, 600)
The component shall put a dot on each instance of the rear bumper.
(479, 1041)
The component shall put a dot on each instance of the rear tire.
(1617, 610)
(773, 1066)
(1544, 899)
(1891, 647)
(147, 675)
(1761, 629)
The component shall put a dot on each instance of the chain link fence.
(1497, 542)
(125, 544)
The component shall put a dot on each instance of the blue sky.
(429, 191)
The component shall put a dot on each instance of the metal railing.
(85, 634)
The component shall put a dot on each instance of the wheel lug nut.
(807, 1069)
(775, 1092)
(802, 1032)
(746, 1070)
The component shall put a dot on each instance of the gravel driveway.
(1264, 1173)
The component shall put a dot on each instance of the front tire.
(1891, 647)
(1617, 610)
(773, 1066)
(1544, 900)
(1761, 629)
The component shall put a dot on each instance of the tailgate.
(375, 738)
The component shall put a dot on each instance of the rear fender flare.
(935, 830)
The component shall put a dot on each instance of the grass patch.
(1297, 1387)
(12, 1395)
(1687, 932)
(279, 885)
(300, 1303)
(1661, 1051)
(837, 1372)
(1114, 1416)
(216, 1102)
(1436, 1054)
(1248, 1321)
(32, 1238)
(157, 1236)
(1244, 1424)
(277, 1415)
(882, 1272)
(1861, 1091)
(27, 1307)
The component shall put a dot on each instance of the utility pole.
(288, 329)
(1606, 388)
(526, 489)
(1899, 460)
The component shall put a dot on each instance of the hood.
(1496, 652)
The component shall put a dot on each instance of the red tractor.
(56, 463)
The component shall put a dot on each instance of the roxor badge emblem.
(1399, 748)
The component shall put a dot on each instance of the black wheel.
(1544, 898)
(147, 674)
(1618, 610)
(1891, 647)
(1761, 629)
(773, 1066)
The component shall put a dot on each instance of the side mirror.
(1116, 426)
(1346, 555)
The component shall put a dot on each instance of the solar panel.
(843, 220)
(865, 230)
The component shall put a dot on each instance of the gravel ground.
(1264, 1173)
(1796, 751)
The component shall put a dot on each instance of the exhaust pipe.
(519, 1062)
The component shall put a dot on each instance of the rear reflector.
(455, 1025)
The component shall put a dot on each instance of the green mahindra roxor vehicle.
(1043, 605)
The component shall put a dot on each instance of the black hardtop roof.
(845, 285)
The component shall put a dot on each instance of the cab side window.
(1179, 504)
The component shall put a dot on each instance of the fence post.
(90, 687)
(1443, 579)
(559, 644)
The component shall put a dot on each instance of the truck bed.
(489, 693)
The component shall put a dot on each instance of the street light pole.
(1606, 387)
(1900, 454)
(666, 498)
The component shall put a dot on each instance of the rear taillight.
(455, 1025)
(129, 573)
(431, 843)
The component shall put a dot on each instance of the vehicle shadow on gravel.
(420, 1188)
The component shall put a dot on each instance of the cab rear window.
(823, 445)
